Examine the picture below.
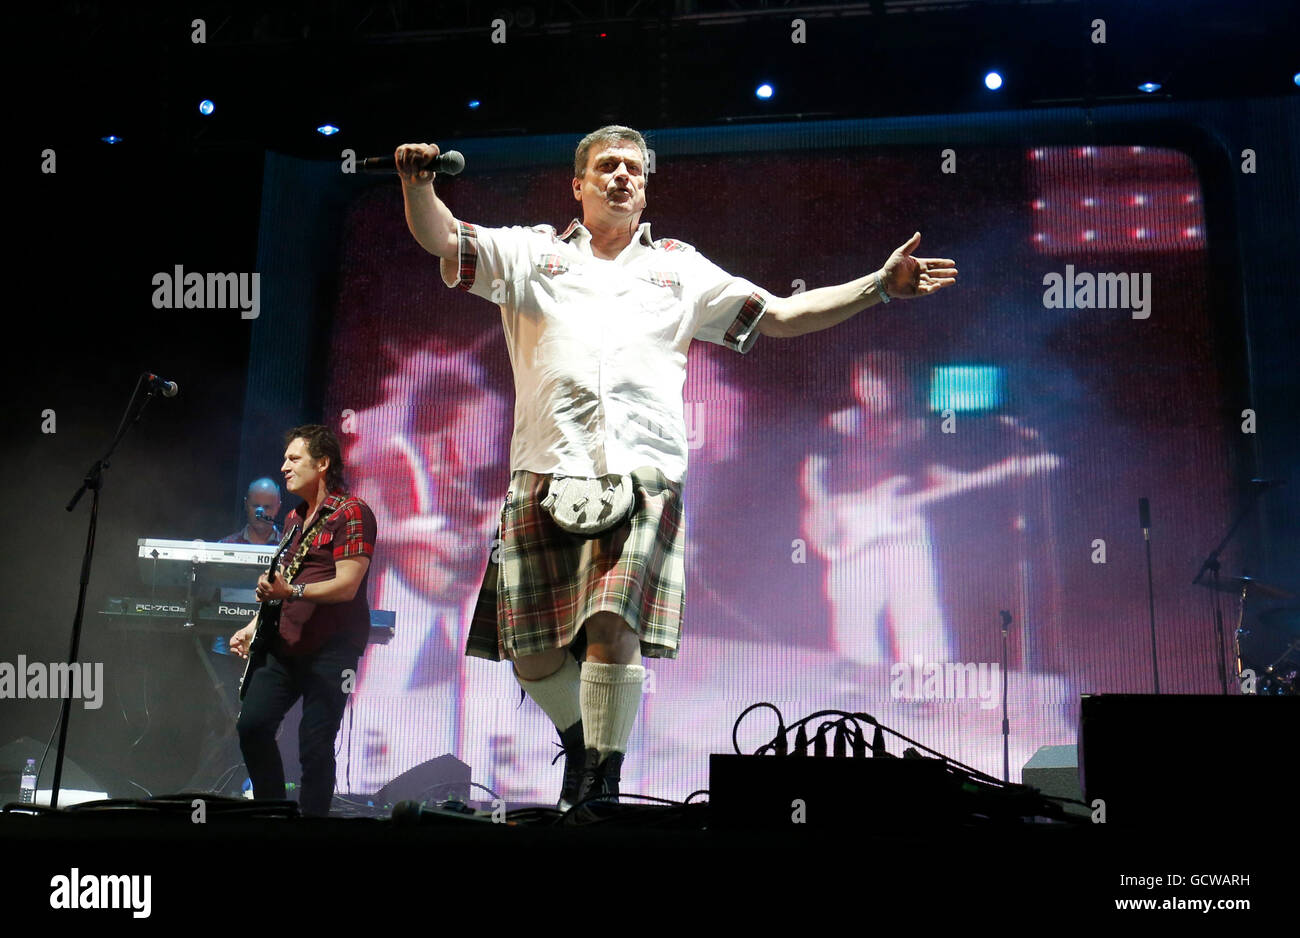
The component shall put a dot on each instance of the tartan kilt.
(542, 583)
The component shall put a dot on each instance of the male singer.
(598, 319)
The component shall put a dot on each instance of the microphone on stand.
(1006, 722)
(168, 388)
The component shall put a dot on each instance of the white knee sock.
(610, 698)
(557, 694)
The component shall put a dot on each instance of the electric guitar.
(841, 525)
(268, 620)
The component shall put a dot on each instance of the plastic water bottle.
(28, 793)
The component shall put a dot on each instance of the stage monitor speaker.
(1054, 770)
(445, 778)
(1190, 759)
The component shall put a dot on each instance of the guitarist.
(323, 624)
(866, 515)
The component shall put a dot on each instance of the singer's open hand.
(906, 276)
(412, 161)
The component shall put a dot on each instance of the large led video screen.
(862, 503)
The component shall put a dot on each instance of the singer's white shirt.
(598, 347)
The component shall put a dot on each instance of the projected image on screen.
(861, 502)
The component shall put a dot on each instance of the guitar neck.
(991, 475)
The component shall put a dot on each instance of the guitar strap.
(304, 545)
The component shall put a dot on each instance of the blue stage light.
(1296, 78)
(111, 138)
(764, 91)
(474, 103)
(206, 107)
(1150, 87)
(328, 130)
(992, 81)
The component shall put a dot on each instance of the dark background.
(185, 190)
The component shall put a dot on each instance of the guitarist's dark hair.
(322, 443)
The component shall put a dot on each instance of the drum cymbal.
(1257, 587)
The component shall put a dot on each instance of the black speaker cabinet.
(1162, 760)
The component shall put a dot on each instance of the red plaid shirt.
(350, 532)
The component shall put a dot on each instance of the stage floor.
(478, 874)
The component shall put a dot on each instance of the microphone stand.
(1144, 510)
(1211, 564)
(1006, 724)
(94, 481)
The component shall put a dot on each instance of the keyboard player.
(261, 506)
(220, 749)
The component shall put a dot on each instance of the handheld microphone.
(449, 163)
(1144, 514)
(168, 388)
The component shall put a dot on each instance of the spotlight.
(1296, 78)
(764, 91)
(1150, 87)
(992, 81)
(111, 139)
(206, 107)
(473, 104)
(328, 130)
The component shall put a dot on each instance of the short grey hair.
(611, 133)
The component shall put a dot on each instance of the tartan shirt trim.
(743, 324)
(551, 264)
(664, 278)
(467, 254)
(573, 226)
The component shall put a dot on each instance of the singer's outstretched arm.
(903, 276)
(429, 219)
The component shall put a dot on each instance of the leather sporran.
(589, 507)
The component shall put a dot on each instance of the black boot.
(600, 778)
(575, 756)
